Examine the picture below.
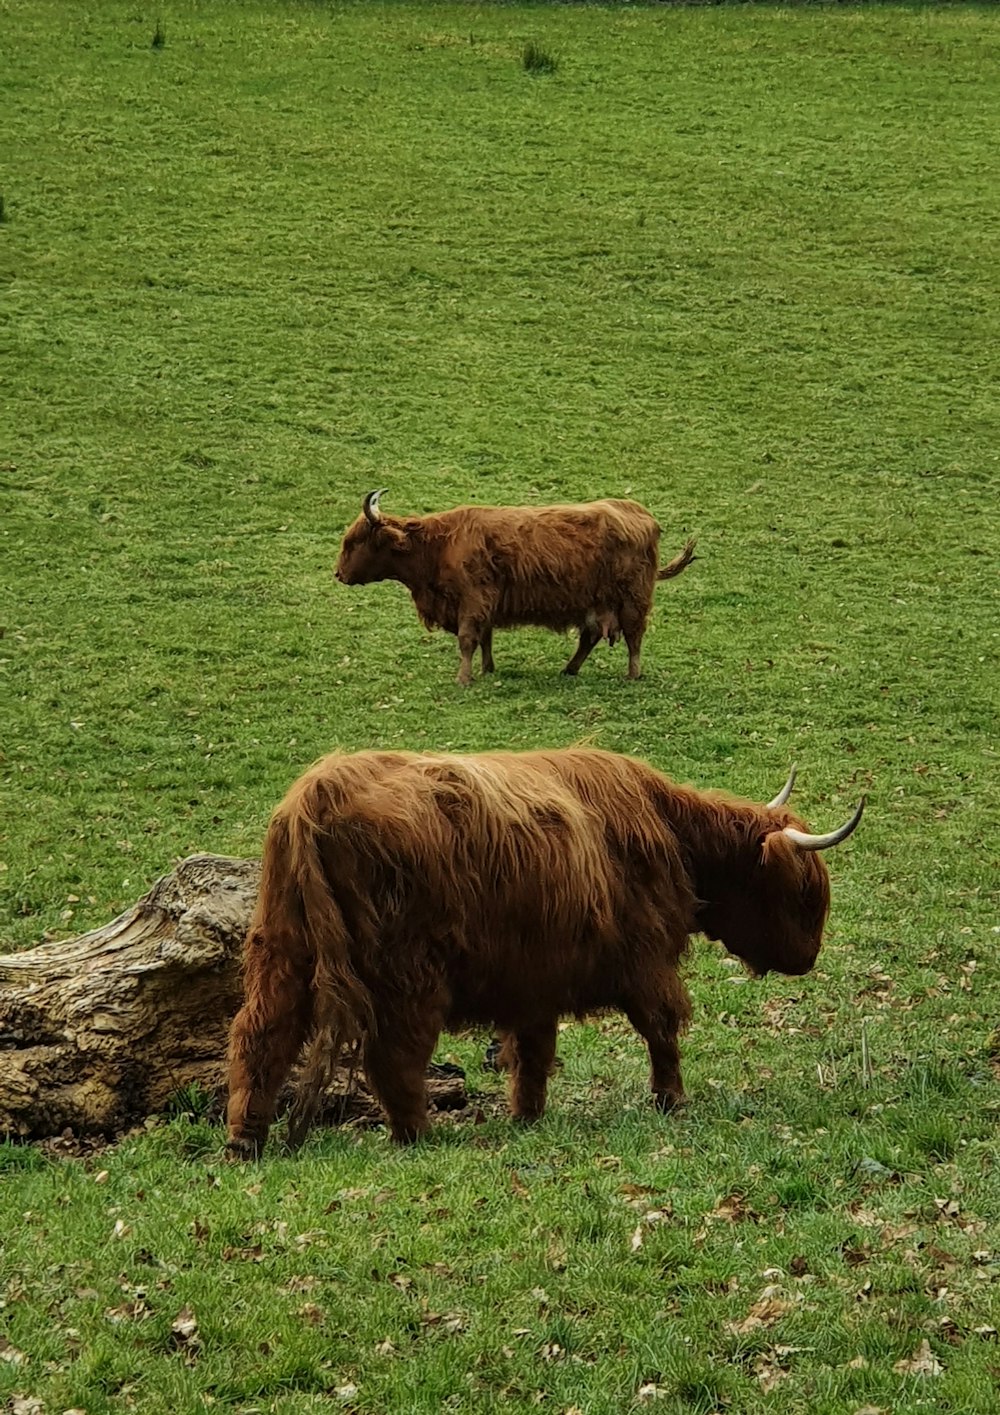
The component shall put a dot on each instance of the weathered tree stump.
(100, 1031)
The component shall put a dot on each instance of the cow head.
(772, 908)
(371, 547)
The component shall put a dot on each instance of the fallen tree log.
(100, 1031)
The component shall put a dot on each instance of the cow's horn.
(823, 842)
(372, 513)
(785, 791)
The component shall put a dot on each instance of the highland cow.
(405, 893)
(590, 567)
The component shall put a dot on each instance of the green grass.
(741, 263)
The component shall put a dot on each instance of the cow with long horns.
(590, 567)
(403, 893)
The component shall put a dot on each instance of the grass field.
(740, 263)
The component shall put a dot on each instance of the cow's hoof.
(668, 1100)
(406, 1135)
(243, 1148)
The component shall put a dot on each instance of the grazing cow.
(591, 567)
(403, 893)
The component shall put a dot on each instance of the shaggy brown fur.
(404, 893)
(591, 567)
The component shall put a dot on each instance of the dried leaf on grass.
(769, 1366)
(950, 1211)
(303, 1284)
(632, 1191)
(310, 1237)
(652, 1218)
(449, 1322)
(923, 1362)
(184, 1330)
(734, 1209)
(134, 1311)
(948, 1330)
(866, 1217)
(252, 1254)
(26, 1405)
(769, 1308)
(768, 1376)
(557, 1256)
(896, 1233)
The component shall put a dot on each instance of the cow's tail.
(297, 882)
(680, 562)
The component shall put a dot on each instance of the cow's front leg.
(469, 635)
(659, 1015)
(396, 1054)
(589, 639)
(529, 1054)
(486, 647)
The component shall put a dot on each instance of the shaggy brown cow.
(591, 567)
(403, 893)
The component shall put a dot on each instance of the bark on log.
(100, 1031)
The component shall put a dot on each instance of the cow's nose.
(337, 575)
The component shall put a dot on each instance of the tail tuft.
(679, 562)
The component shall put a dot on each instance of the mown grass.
(740, 263)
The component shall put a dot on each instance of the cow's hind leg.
(633, 627)
(396, 1054)
(528, 1055)
(469, 638)
(589, 639)
(486, 648)
(266, 1037)
(659, 1012)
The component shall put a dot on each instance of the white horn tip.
(825, 842)
(785, 791)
